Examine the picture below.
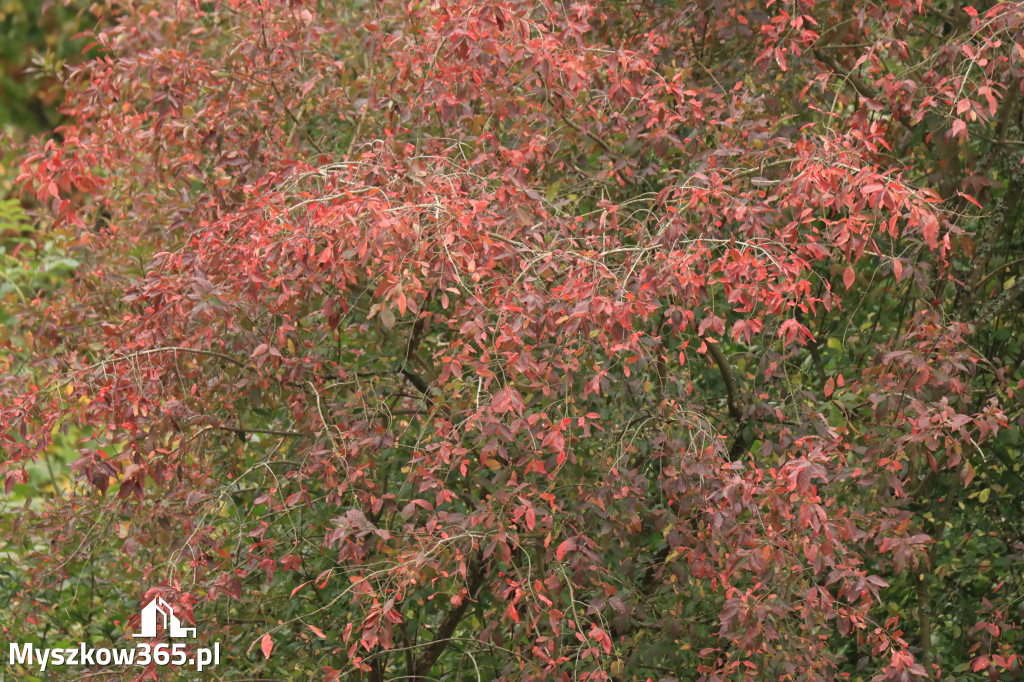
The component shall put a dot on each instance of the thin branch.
(601, 143)
(241, 432)
(996, 271)
(853, 79)
(166, 349)
(997, 304)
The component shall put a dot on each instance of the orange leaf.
(267, 645)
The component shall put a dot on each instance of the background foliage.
(456, 340)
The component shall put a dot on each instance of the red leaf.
(959, 129)
(849, 276)
(931, 232)
(969, 198)
(267, 645)
(602, 637)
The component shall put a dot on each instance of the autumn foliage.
(440, 339)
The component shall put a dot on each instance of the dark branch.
(448, 624)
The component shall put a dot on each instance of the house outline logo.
(158, 608)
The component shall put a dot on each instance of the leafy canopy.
(512, 340)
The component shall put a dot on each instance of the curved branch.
(446, 628)
(727, 376)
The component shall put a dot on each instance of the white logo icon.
(159, 608)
